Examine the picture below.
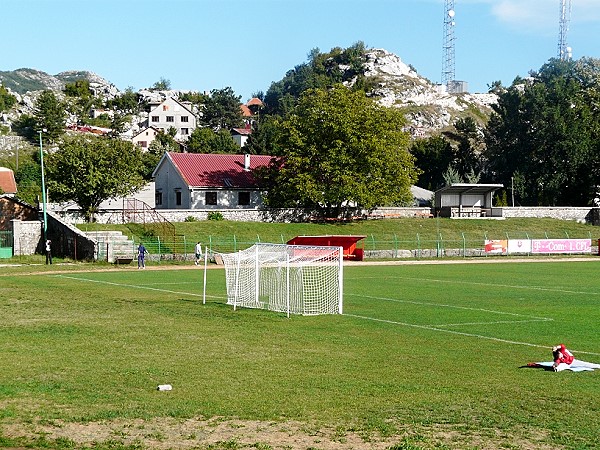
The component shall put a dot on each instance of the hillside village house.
(241, 135)
(145, 137)
(173, 114)
(208, 181)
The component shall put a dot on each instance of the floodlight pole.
(512, 190)
(43, 184)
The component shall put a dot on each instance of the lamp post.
(43, 183)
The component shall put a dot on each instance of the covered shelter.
(466, 200)
(347, 242)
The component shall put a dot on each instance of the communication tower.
(564, 51)
(448, 66)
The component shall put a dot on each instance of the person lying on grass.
(563, 358)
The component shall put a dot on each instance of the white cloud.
(542, 14)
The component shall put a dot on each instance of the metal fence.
(375, 247)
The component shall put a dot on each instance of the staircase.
(113, 246)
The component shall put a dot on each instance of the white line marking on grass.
(442, 305)
(135, 286)
(476, 283)
(460, 333)
(498, 322)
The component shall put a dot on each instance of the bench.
(123, 260)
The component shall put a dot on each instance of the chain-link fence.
(375, 247)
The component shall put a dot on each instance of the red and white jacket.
(563, 355)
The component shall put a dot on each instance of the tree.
(7, 100)
(322, 70)
(544, 133)
(128, 102)
(29, 179)
(205, 140)
(50, 116)
(89, 170)
(222, 110)
(263, 140)
(433, 156)
(467, 159)
(341, 151)
(161, 85)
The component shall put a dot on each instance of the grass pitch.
(425, 356)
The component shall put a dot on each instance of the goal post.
(294, 279)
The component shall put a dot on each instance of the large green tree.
(205, 140)
(322, 70)
(89, 170)
(434, 155)
(544, 135)
(222, 110)
(50, 115)
(341, 151)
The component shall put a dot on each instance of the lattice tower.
(448, 65)
(564, 51)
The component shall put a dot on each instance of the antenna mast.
(564, 51)
(448, 65)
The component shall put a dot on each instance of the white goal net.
(295, 279)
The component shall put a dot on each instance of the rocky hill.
(428, 107)
(22, 81)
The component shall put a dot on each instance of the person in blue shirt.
(141, 256)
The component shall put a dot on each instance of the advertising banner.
(561, 246)
(496, 246)
(540, 246)
(519, 246)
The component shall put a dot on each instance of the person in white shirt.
(198, 251)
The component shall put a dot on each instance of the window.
(184, 118)
(143, 144)
(165, 107)
(185, 131)
(210, 198)
(170, 119)
(243, 198)
(178, 198)
(155, 119)
(158, 198)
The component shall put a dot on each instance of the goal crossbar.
(295, 279)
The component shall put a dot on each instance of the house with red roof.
(8, 184)
(208, 181)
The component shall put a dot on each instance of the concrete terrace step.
(113, 246)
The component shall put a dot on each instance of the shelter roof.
(468, 188)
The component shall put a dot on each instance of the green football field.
(424, 356)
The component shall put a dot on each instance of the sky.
(202, 45)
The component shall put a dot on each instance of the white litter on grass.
(164, 387)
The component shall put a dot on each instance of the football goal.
(295, 279)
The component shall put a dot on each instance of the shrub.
(190, 219)
(215, 215)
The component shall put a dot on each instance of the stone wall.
(26, 236)
(582, 214)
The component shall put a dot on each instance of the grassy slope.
(401, 229)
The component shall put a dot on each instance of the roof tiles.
(217, 170)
